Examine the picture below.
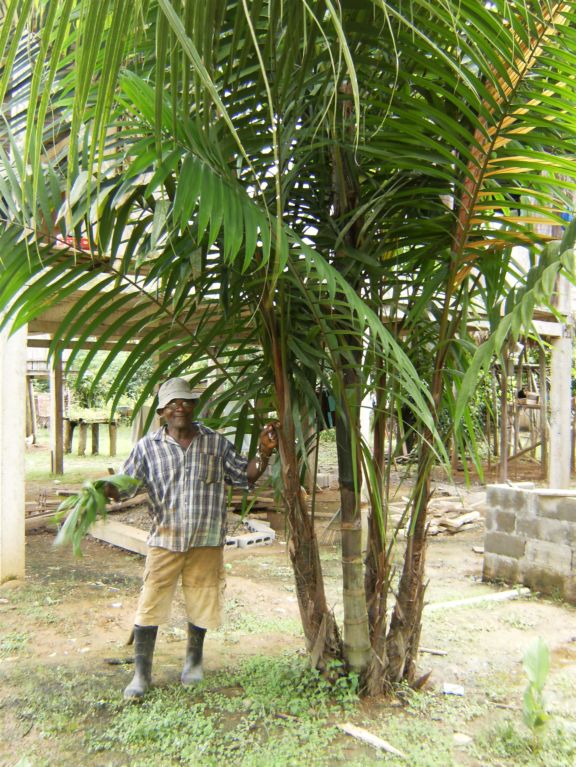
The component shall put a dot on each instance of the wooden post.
(31, 423)
(95, 428)
(12, 441)
(56, 416)
(82, 437)
(113, 433)
(515, 425)
(517, 406)
(68, 434)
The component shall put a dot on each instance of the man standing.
(186, 468)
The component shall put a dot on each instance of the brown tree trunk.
(406, 622)
(323, 640)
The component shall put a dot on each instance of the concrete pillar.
(560, 411)
(561, 395)
(12, 447)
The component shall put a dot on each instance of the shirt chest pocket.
(210, 469)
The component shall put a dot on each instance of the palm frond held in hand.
(81, 510)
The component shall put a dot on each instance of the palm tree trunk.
(377, 566)
(323, 640)
(357, 649)
(406, 622)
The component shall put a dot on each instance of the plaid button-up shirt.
(187, 488)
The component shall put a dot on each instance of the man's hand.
(267, 443)
(111, 491)
(269, 439)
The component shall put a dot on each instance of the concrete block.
(547, 506)
(555, 557)
(570, 590)
(547, 529)
(554, 531)
(566, 509)
(250, 540)
(545, 581)
(528, 527)
(499, 568)
(257, 526)
(504, 544)
(509, 498)
(552, 503)
(490, 519)
(506, 521)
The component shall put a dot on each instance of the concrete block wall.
(530, 539)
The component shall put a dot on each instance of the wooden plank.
(40, 520)
(121, 535)
(137, 500)
(458, 522)
(45, 519)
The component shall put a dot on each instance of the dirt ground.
(77, 613)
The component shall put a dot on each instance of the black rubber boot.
(193, 666)
(144, 641)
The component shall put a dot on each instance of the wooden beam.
(119, 534)
(49, 322)
(44, 343)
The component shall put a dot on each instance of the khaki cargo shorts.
(202, 574)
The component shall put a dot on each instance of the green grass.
(12, 643)
(507, 743)
(263, 712)
(267, 711)
(77, 468)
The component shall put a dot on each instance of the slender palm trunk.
(377, 567)
(320, 629)
(406, 622)
(357, 649)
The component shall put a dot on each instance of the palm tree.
(320, 194)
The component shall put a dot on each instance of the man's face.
(179, 412)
